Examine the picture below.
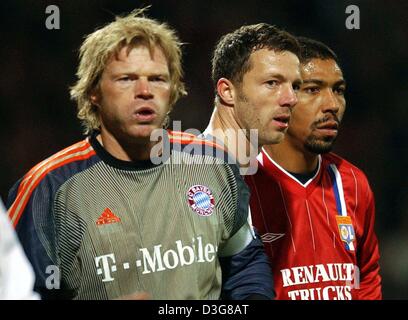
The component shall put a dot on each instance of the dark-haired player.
(313, 209)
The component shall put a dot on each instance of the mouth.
(145, 114)
(329, 125)
(329, 128)
(282, 121)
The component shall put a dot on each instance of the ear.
(226, 91)
(95, 97)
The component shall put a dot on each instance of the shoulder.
(45, 177)
(202, 149)
(346, 168)
(341, 163)
(200, 144)
(65, 158)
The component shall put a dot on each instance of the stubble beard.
(319, 145)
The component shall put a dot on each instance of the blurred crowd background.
(38, 65)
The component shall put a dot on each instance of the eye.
(158, 79)
(296, 87)
(311, 90)
(272, 83)
(124, 79)
(340, 90)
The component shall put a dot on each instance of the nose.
(142, 89)
(288, 96)
(331, 103)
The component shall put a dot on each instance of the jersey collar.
(266, 161)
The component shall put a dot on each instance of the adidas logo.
(107, 217)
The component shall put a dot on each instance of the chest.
(315, 222)
(118, 224)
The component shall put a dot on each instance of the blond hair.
(99, 46)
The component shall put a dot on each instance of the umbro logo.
(107, 217)
(270, 237)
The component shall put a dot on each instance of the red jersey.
(319, 235)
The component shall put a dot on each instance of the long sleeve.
(247, 274)
(368, 255)
(34, 225)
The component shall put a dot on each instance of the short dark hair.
(313, 49)
(231, 55)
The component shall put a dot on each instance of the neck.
(225, 128)
(125, 149)
(292, 159)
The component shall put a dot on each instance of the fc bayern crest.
(201, 200)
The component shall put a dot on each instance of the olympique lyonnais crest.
(346, 229)
(201, 200)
